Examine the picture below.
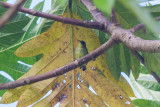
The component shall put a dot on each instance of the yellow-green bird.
(81, 51)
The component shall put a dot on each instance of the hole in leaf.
(127, 102)
(92, 90)
(121, 97)
(78, 76)
(64, 81)
(78, 86)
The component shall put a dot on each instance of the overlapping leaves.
(56, 49)
(127, 20)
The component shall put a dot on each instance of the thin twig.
(125, 36)
(141, 59)
(122, 35)
(139, 26)
(114, 17)
(156, 76)
(10, 13)
(118, 34)
(87, 24)
(77, 63)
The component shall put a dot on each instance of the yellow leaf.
(70, 89)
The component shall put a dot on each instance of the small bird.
(81, 51)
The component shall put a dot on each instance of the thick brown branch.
(141, 59)
(135, 43)
(10, 13)
(92, 55)
(122, 35)
(97, 15)
(88, 24)
(117, 34)
(125, 36)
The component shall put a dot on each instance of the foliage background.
(148, 85)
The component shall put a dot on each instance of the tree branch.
(10, 13)
(77, 63)
(114, 17)
(141, 59)
(139, 26)
(136, 28)
(156, 76)
(122, 35)
(117, 33)
(97, 15)
(87, 24)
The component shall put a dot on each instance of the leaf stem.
(73, 56)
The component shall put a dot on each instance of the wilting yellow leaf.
(70, 89)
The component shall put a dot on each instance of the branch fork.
(117, 33)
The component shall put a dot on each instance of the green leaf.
(145, 103)
(149, 4)
(103, 37)
(4, 79)
(144, 92)
(104, 5)
(4, 0)
(125, 59)
(135, 66)
(143, 70)
(27, 3)
(32, 27)
(17, 26)
(153, 9)
(149, 82)
(152, 61)
(13, 65)
(140, 14)
(113, 61)
(128, 19)
(57, 8)
(80, 9)
(12, 31)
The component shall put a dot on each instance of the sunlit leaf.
(13, 65)
(143, 92)
(145, 103)
(18, 27)
(57, 51)
(148, 82)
